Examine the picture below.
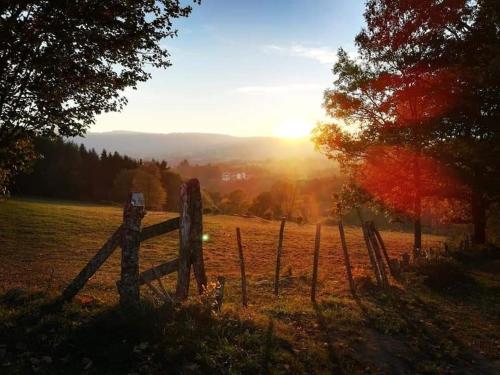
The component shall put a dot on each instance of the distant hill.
(199, 147)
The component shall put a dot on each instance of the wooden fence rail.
(129, 236)
(160, 228)
(92, 266)
(159, 271)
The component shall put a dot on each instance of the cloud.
(324, 55)
(278, 88)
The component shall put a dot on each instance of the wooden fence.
(129, 236)
(382, 265)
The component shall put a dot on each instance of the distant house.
(237, 176)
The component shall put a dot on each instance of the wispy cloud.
(278, 88)
(324, 55)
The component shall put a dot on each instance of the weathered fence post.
(190, 239)
(128, 286)
(242, 268)
(278, 258)
(315, 262)
(347, 261)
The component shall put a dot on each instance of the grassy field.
(447, 323)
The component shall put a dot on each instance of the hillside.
(415, 327)
(200, 147)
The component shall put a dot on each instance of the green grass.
(442, 319)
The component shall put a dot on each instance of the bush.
(446, 276)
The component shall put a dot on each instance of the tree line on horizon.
(65, 170)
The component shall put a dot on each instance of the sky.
(244, 68)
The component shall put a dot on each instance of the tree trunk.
(417, 234)
(479, 218)
(417, 223)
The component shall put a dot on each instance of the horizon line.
(193, 133)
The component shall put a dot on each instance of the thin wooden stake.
(315, 263)
(242, 269)
(347, 261)
(278, 258)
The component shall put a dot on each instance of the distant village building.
(238, 176)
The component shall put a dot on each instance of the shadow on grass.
(148, 339)
(423, 330)
(268, 346)
(329, 337)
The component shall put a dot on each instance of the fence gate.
(129, 236)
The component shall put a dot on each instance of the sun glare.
(293, 129)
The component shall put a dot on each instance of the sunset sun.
(293, 129)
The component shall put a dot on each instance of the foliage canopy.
(62, 62)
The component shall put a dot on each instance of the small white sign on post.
(137, 199)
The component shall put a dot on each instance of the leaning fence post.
(128, 286)
(376, 250)
(369, 248)
(382, 245)
(242, 268)
(347, 261)
(278, 258)
(190, 239)
(315, 262)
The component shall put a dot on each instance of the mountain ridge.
(199, 147)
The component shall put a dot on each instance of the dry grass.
(410, 329)
(39, 238)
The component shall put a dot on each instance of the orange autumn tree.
(391, 101)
